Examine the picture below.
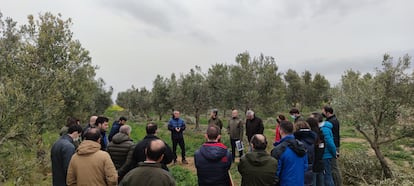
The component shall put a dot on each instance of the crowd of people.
(305, 152)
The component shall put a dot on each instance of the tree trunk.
(160, 117)
(384, 165)
(197, 120)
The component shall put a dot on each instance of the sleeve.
(329, 142)
(71, 176)
(67, 156)
(305, 166)
(240, 166)
(230, 160)
(114, 130)
(228, 127)
(183, 126)
(241, 128)
(220, 124)
(261, 127)
(168, 155)
(170, 125)
(129, 162)
(111, 176)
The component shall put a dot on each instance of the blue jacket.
(114, 130)
(176, 123)
(292, 161)
(330, 149)
(61, 154)
(213, 162)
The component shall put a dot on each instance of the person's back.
(291, 156)
(150, 172)
(213, 160)
(120, 146)
(258, 167)
(305, 135)
(90, 165)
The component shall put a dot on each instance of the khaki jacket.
(91, 166)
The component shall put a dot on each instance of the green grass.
(183, 176)
(353, 146)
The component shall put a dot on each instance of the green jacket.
(148, 174)
(257, 168)
(235, 128)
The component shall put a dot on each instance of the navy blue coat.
(61, 153)
(176, 123)
(213, 162)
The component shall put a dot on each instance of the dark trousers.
(182, 146)
(233, 149)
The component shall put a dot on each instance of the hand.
(337, 155)
(177, 129)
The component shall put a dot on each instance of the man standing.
(258, 167)
(176, 125)
(295, 115)
(254, 125)
(102, 124)
(150, 172)
(91, 166)
(214, 120)
(291, 156)
(328, 113)
(62, 152)
(121, 146)
(139, 151)
(212, 160)
(235, 131)
(115, 127)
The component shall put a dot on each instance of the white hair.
(249, 113)
(126, 129)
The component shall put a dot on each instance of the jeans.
(233, 149)
(336, 174)
(328, 172)
(318, 179)
(182, 146)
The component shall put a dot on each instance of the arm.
(241, 130)
(240, 167)
(170, 125)
(111, 176)
(228, 127)
(128, 162)
(261, 127)
(329, 142)
(220, 124)
(114, 130)
(183, 126)
(68, 152)
(168, 155)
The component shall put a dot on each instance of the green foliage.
(137, 101)
(183, 176)
(45, 77)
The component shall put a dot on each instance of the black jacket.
(61, 154)
(213, 162)
(335, 130)
(139, 155)
(254, 126)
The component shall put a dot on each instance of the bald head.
(234, 113)
(155, 150)
(259, 142)
(92, 120)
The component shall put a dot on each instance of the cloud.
(160, 18)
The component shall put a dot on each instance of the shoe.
(185, 162)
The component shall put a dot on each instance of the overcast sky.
(132, 41)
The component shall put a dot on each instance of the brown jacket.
(91, 166)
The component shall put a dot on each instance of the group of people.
(304, 153)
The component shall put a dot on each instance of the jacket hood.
(120, 138)
(327, 124)
(258, 158)
(213, 151)
(88, 147)
(306, 135)
(295, 145)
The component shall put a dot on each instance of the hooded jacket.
(308, 138)
(292, 161)
(213, 162)
(330, 149)
(120, 148)
(91, 166)
(257, 168)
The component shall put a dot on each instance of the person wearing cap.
(115, 127)
(214, 120)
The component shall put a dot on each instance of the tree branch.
(391, 140)
(364, 134)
